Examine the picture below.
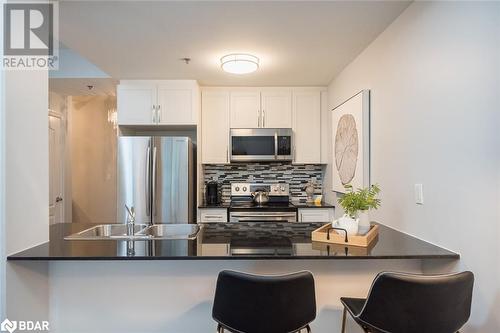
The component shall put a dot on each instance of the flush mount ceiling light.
(238, 63)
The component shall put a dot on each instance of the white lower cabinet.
(216, 250)
(212, 215)
(315, 215)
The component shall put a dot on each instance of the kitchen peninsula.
(233, 241)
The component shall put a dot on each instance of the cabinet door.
(316, 215)
(212, 215)
(307, 126)
(176, 105)
(214, 126)
(135, 104)
(245, 109)
(276, 109)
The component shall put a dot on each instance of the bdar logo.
(8, 325)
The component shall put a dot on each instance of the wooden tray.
(328, 234)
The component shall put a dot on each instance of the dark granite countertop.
(312, 205)
(224, 205)
(233, 241)
(295, 204)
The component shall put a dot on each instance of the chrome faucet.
(130, 220)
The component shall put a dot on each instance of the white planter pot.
(348, 223)
(364, 219)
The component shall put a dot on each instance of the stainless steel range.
(278, 208)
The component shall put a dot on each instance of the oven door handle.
(257, 219)
(263, 215)
(275, 145)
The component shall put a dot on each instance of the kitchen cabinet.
(307, 126)
(315, 215)
(268, 108)
(276, 109)
(136, 104)
(215, 126)
(216, 249)
(158, 102)
(245, 109)
(211, 215)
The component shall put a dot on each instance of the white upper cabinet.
(169, 102)
(215, 126)
(307, 126)
(136, 104)
(245, 109)
(267, 108)
(276, 109)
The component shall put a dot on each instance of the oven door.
(261, 144)
(239, 216)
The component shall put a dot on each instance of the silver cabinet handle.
(154, 114)
(159, 114)
(59, 199)
(263, 118)
(258, 118)
(218, 217)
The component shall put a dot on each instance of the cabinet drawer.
(213, 215)
(315, 215)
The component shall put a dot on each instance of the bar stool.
(408, 303)
(247, 303)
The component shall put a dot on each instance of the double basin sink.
(141, 232)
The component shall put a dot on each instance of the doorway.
(56, 174)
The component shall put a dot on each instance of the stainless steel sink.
(171, 231)
(141, 232)
(106, 231)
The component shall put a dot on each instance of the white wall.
(434, 75)
(176, 296)
(26, 188)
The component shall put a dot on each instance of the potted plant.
(356, 204)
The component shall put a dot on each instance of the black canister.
(212, 193)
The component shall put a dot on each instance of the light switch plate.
(419, 194)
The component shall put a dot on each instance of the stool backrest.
(264, 304)
(408, 303)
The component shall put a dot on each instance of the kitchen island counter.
(233, 241)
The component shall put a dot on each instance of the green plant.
(362, 199)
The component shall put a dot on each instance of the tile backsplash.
(296, 176)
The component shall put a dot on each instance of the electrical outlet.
(419, 194)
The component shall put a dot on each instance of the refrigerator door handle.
(153, 181)
(147, 182)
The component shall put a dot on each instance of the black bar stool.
(247, 303)
(408, 303)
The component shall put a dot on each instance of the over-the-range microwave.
(261, 144)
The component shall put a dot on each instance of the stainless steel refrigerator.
(156, 177)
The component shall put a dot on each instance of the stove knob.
(282, 188)
(237, 188)
(244, 189)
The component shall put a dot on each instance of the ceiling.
(80, 86)
(298, 43)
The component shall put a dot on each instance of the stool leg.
(343, 320)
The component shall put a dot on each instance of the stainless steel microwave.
(261, 144)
